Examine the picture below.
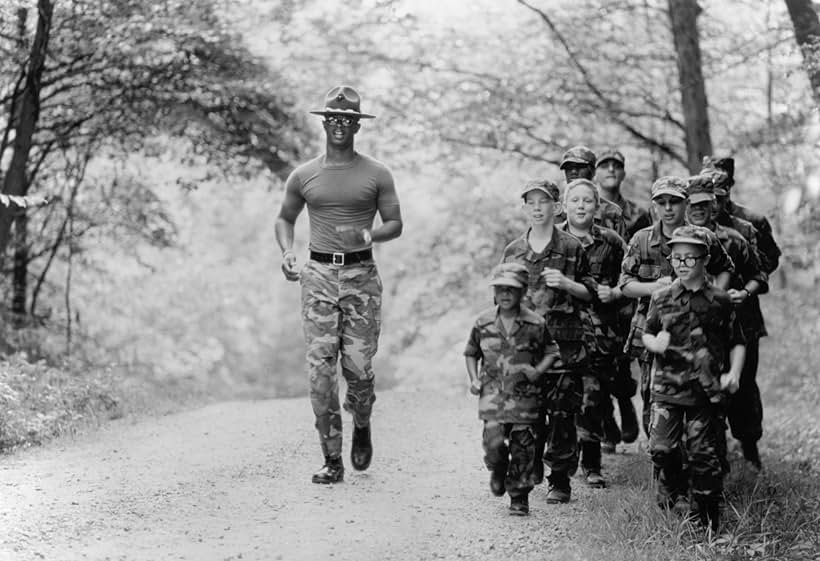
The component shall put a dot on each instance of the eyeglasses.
(689, 260)
(340, 121)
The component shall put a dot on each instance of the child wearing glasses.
(514, 350)
(691, 328)
(560, 285)
(605, 251)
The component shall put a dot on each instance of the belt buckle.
(339, 259)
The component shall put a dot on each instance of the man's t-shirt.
(346, 194)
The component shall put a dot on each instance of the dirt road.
(232, 481)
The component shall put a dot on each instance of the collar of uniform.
(679, 290)
(594, 231)
(522, 249)
(656, 237)
(517, 321)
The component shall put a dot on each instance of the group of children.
(546, 359)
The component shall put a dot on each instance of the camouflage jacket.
(703, 330)
(635, 217)
(506, 393)
(647, 260)
(747, 267)
(567, 318)
(605, 252)
(766, 246)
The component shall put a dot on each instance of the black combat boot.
(361, 452)
(751, 453)
(559, 488)
(612, 435)
(629, 420)
(520, 505)
(497, 486)
(591, 464)
(332, 472)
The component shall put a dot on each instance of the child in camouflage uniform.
(605, 251)
(514, 349)
(560, 285)
(691, 329)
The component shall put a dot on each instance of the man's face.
(700, 213)
(507, 297)
(688, 261)
(340, 130)
(574, 171)
(540, 207)
(670, 209)
(610, 174)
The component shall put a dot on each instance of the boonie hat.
(720, 180)
(544, 185)
(701, 188)
(724, 164)
(695, 235)
(611, 154)
(343, 100)
(669, 185)
(509, 274)
(578, 155)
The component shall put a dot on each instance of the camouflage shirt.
(506, 393)
(566, 316)
(703, 330)
(605, 252)
(766, 246)
(635, 217)
(747, 267)
(647, 260)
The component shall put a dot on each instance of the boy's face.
(507, 297)
(540, 208)
(688, 261)
(670, 209)
(700, 214)
(581, 205)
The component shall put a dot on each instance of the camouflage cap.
(578, 155)
(701, 188)
(720, 180)
(544, 185)
(724, 164)
(510, 274)
(690, 234)
(611, 154)
(669, 185)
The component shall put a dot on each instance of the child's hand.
(606, 294)
(554, 278)
(531, 373)
(475, 387)
(664, 281)
(729, 382)
(662, 340)
(738, 296)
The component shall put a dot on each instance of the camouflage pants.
(510, 448)
(745, 409)
(557, 441)
(645, 365)
(699, 427)
(590, 419)
(341, 318)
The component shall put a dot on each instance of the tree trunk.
(20, 275)
(807, 32)
(15, 181)
(683, 15)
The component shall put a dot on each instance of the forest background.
(161, 133)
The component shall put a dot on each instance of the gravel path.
(232, 481)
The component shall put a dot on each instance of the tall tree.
(807, 33)
(683, 14)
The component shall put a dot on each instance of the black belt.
(342, 258)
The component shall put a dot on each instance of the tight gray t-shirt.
(346, 194)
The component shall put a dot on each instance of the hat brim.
(543, 190)
(671, 192)
(687, 239)
(721, 192)
(608, 158)
(506, 282)
(347, 113)
(574, 160)
(700, 198)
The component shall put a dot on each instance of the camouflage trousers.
(699, 428)
(645, 366)
(557, 440)
(510, 448)
(745, 409)
(341, 319)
